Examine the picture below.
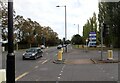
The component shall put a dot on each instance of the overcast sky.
(47, 14)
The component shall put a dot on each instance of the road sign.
(92, 39)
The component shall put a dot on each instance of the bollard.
(60, 55)
(3, 49)
(110, 54)
(62, 50)
(2, 75)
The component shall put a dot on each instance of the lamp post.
(10, 69)
(65, 24)
(78, 27)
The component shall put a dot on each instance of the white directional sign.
(92, 39)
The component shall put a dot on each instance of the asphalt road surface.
(78, 67)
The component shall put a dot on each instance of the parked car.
(42, 47)
(33, 53)
(59, 46)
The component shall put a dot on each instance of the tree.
(109, 13)
(91, 26)
(77, 39)
(27, 31)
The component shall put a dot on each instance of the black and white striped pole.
(10, 66)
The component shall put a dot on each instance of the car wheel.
(23, 58)
(41, 55)
(35, 57)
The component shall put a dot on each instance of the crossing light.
(105, 30)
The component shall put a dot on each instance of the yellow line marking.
(19, 77)
(44, 61)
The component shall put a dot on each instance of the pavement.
(87, 57)
(82, 65)
(105, 61)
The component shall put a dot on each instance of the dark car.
(42, 46)
(59, 46)
(32, 53)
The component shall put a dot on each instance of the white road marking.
(44, 61)
(60, 74)
(37, 80)
(36, 66)
(112, 77)
(19, 77)
(63, 67)
(39, 61)
(58, 77)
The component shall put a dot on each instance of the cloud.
(47, 14)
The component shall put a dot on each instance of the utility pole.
(65, 29)
(65, 26)
(10, 69)
(78, 28)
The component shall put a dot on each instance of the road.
(78, 67)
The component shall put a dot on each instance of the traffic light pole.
(102, 42)
(10, 66)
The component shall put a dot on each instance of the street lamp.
(65, 24)
(78, 27)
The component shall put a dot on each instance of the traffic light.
(43, 40)
(63, 40)
(105, 30)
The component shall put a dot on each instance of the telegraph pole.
(10, 69)
(65, 29)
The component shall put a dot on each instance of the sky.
(46, 13)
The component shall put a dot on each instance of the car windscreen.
(31, 50)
